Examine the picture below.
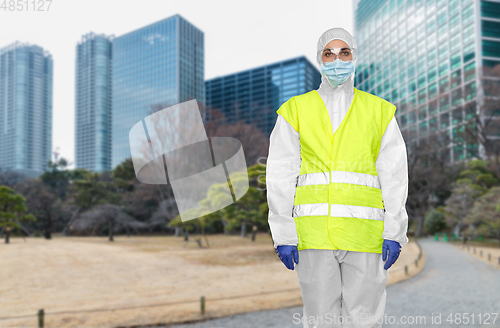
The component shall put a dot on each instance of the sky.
(239, 35)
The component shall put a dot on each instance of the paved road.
(452, 282)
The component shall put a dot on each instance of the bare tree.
(165, 212)
(41, 202)
(254, 141)
(483, 128)
(430, 175)
(108, 215)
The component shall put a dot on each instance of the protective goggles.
(331, 54)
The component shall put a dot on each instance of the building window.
(421, 80)
(413, 132)
(387, 85)
(453, 7)
(458, 152)
(412, 117)
(469, 52)
(457, 133)
(442, 16)
(433, 107)
(423, 128)
(491, 48)
(470, 91)
(470, 72)
(456, 78)
(433, 124)
(444, 85)
(490, 9)
(422, 113)
(413, 100)
(422, 96)
(404, 120)
(443, 68)
(457, 116)
(456, 97)
(411, 70)
(455, 61)
(432, 90)
(444, 103)
(470, 110)
(472, 150)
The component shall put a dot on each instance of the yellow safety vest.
(338, 201)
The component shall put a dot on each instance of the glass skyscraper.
(255, 95)
(427, 57)
(93, 102)
(154, 67)
(25, 108)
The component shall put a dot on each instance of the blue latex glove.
(286, 252)
(394, 249)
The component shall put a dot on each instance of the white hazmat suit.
(337, 282)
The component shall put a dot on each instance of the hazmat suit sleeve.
(392, 170)
(282, 171)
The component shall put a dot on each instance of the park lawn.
(91, 282)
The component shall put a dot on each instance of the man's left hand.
(394, 249)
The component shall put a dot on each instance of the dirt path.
(145, 279)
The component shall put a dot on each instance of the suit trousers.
(342, 288)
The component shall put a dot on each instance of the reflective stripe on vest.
(353, 211)
(339, 177)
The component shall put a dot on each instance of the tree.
(479, 173)
(435, 220)
(41, 202)
(12, 210)
(165, 212)
(248, 211)
(245, 210)
(485, 214)
(112, 216)
(142, 202)
(473, 181)
(429, 177)
(255, 142)
(92, 190)
(461, 201)
(124, 175)
(58, 178)
(197, 225)
(482, 128)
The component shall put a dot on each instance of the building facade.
(428, 59)
(154, 67)
(25, 108)
(93, 96)
(255, 95)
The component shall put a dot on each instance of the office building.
(254, 95)
(93, 115)
(429, 58)
(154, 67)
(25, 108)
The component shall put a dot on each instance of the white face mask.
(338, 71)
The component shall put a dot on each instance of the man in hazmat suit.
(337, 184)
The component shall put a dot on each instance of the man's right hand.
(286, 252)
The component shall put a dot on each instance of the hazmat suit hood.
(336, 33)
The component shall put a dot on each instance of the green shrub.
(434, 221)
